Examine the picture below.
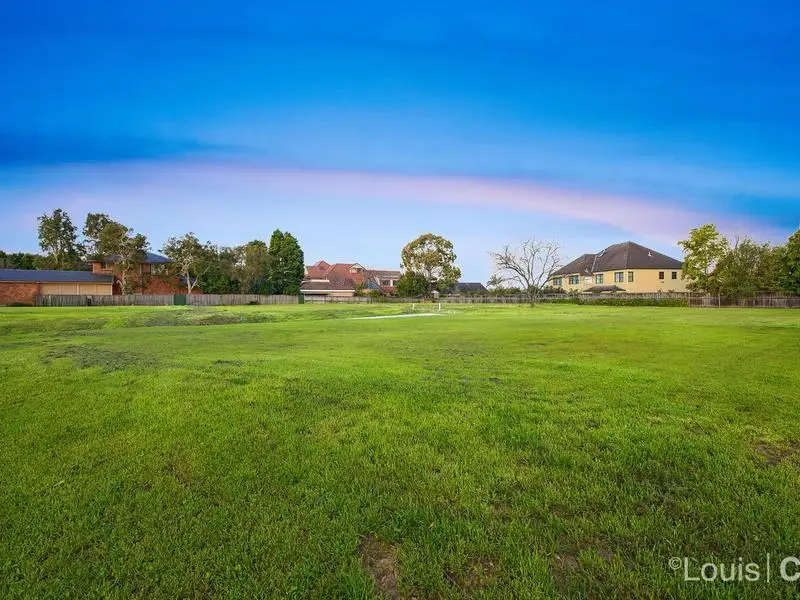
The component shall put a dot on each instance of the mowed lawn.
(289, 452)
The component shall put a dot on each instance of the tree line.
(252, 268)
(739, 267)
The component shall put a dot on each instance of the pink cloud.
(134, 184)
(658, 220)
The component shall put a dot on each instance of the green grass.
(266, 452)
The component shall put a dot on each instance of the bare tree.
(529, 266)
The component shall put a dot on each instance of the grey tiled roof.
(44, 276)
(627, 255)
(150, 258)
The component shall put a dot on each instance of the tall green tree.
(126, 248)
(745, 269)
(788, 264)
(92, 230)
(433, 257)
(287, 267)
(190, 258)
(58, 237)
(252, 267)
(703, 249)
(221, 276)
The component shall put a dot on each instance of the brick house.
(21, 286)
(344, 279)
(149, 277)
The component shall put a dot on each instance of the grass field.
(286, 451)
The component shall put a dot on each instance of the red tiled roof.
(337, 276)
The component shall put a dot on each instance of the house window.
(598, 278)
(630, 276)
(619, 277)
(557, 281)
(661, 274)
(386, 282)
(158, 269)
(574, 279)
(674, 274)
(104, 265)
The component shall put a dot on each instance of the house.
(345, 279)
(152, 276)
(464, 287)
(626, 267)
(23, 285)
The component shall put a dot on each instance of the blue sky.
(358, 126)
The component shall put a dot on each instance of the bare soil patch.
(380, 559)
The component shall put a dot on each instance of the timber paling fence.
(238, 299)
(759, 300)
(164, 300)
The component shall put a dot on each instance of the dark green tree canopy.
(787, 261)
(252, 267)
(286, 264)
(412, 285)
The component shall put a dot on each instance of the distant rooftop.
(150, 258)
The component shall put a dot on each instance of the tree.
(287, 266)
(22, 260)
(59, 238)
(704, 248)
(92, 229)
(127, 248)
(788, 264)
(221, 277)
(190, 259)
(529, 266)
(252, 267)
(412, 285)
(431, 256)
(745, 269)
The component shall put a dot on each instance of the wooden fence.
(238, 299)
(163, 300)
(121, 300)
(760, 300)
(319, 299)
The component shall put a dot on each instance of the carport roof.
(45, 276)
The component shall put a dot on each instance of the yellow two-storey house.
(626, 267)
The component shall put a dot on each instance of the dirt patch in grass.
(85, 357)
(179, 470)
(380, 559)
(568, 565)
(774, 455)
(476, 574)
(564, 566)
